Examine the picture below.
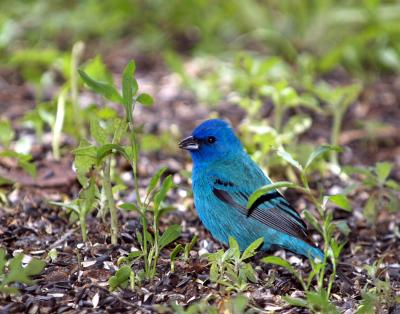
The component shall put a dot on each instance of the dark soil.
(76, 282)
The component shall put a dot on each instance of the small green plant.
(87, 201)
(24, 161)
(237, 305)
(185, 254)
(377, 294)
(7, 134)
(152, 243)
(383, 191)
(13, 271)
(228, 268)
(338, 100)
(317, 299)
(108, 138)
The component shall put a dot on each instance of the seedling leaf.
(170, 235)
(103, 88)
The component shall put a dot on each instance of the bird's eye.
(211, 139)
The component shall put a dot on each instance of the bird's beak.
(189, 143)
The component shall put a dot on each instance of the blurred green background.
(359, 36)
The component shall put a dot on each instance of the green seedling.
(152, 243)
(339, 100)
(13, 271)
(52, 255)
(237, 305)
(184, 251)
(150, 207)
(383, 191)
(284, 97)
(229, 269)
(85, 204)
(100, 155)
(24, 161)
(77, 51)
(377, 294)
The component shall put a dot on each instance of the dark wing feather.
(271, 209)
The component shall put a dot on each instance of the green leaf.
(234, 246)
(29, 167)
(24, 161)
(145, 99)
(371, 209)
(391, 184)
(251, 249)
(2, 260)
(170, 235)
(72, 206)
(134, 254)
(189, 246)
(155, 179)
(52, 255)
(20, 274)
(319, 152)
(341, 201)
(6, 132)
(343, 227)
(175, 252)
(249, 272)
(97, 132)
(108, 149)
(214, 272)
(295, 301)
(383, 170)
(288, 158)
(87, 197)
(161, 194)
(129, 207)
(269, 187)
(85, 159)
(118, 128)
(280, 262)
(121, 277)
(35, 267)
(103, 88)
(96, 69)
(129, 88)
(312, 220)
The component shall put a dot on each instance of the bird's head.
(211, 140)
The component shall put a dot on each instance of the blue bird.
(224, 176)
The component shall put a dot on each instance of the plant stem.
(82, 221)
(337, 123)
(77, 51)
(145, 253)
(58, 125)
(110, 200)
(309, 192)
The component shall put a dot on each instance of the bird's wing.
(271, 209)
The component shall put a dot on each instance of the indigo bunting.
(224, 176)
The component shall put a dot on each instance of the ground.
(76, 282)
